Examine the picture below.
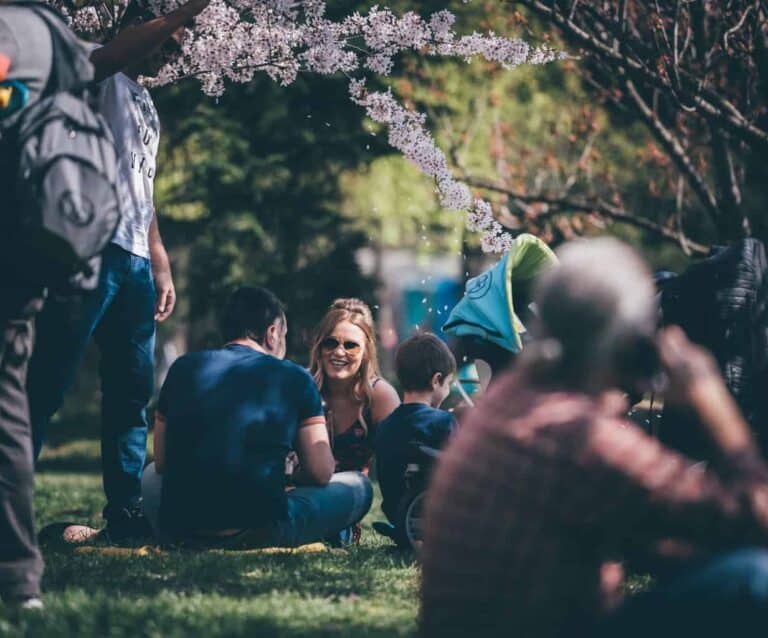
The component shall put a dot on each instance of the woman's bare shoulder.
(384, 399)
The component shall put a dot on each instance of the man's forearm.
(695, 384)
(161, 271)
(720, 415)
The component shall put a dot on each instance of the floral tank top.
(353, 448)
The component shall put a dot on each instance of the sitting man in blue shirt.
(226, 422)
(425, 368)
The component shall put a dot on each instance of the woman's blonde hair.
(358, 314)
(353, 304)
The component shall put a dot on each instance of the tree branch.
(727, 182)
(707, 102)
(565, 206)
(738, 25)
(676, 151)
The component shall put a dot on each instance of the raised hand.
(695, 382)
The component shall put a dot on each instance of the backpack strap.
(71, 68)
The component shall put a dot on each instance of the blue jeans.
(119, 314)
(314, 513)
(724, 596)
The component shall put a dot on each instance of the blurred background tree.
(694, 75)
(248, 191)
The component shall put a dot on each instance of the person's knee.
(151, 481)
(151, 490)
(354, 480)
(361, 488)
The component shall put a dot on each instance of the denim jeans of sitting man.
(119, 314)
(314, 513)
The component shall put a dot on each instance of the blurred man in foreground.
(547, 485)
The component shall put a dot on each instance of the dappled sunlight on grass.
(171, 614)
(371, 590)
(82, 455)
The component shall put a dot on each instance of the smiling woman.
(345, 366)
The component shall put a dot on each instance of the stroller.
(489, 322)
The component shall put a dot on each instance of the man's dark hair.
(419, 358)
(249, 312)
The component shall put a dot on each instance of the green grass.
(369, 590)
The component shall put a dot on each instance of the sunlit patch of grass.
(370, 590)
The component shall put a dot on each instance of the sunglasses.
(331, 343)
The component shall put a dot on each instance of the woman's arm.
(384, 400)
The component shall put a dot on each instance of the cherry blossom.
(231, 40)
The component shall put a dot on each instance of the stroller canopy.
(487, 310)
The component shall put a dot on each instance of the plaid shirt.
(538, 492)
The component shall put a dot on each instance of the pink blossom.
(233, 39)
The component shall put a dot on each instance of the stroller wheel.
(412, 517)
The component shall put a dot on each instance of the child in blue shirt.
(426, 369)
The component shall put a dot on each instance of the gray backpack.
(61, 164)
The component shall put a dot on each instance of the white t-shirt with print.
(132, 116)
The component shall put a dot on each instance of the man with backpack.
(27, 75)
(135, 286)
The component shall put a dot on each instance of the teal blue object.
(469, 378)
(487, 309)
(13, 97)
(414, 310)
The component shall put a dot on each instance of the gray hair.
(599, 300)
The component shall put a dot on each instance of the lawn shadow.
(335, 574)
(78, 456)
(69, 465)
(231, 618)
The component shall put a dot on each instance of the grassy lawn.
(369, 590)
